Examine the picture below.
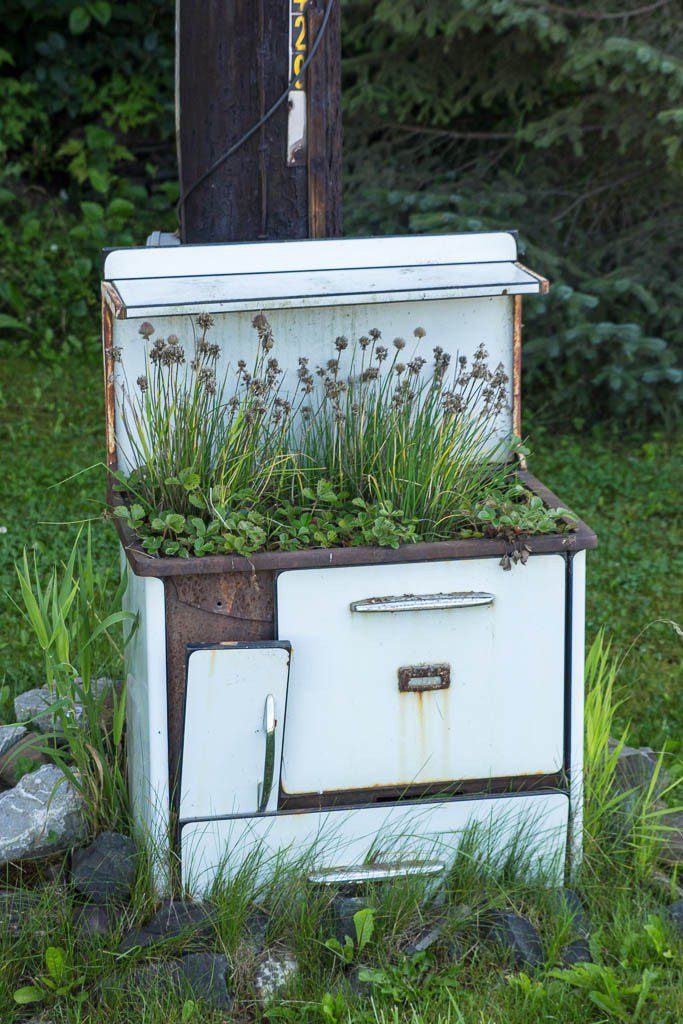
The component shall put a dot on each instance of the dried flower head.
(146, 329)
(264, 331)
(399, 343)
(364, 341)
(172, 339)
(375, 333)
(143, 383)
(341, 343)
(205, 321)
(381, 353)
(114, 353)
(419, 332)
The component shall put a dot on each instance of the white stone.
(43, 814)
(273, 974)
(9, 735)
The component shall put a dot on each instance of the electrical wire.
(219, 161)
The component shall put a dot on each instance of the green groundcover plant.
(378, 451)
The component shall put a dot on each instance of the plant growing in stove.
(377, 450)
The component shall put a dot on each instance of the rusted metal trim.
(433, 677)
(517, 371)
(556, 781)
(543, 281)
(113, 300)
(109, 390)
(580, 539)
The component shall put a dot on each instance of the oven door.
(232, 740)
(422, 674)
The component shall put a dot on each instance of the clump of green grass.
(67, 610)
(380, 451)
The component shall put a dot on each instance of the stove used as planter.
(361, 706)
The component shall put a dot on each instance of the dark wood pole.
(234, 59)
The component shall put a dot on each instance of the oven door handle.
(269, 723)
(377, 872)
(422, 602)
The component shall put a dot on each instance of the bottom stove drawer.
(421, 674)
(386, 835)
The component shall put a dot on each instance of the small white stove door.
(400, 697)
(234, 716)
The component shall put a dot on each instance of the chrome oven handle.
(422, 602)
(376, 872)
(269, 724)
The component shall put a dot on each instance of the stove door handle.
(422, 602)
(376, 872)
(269, 723)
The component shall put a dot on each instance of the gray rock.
(273, 975)
(516, 934)
(674, 914)
(666, 885)
(42, 814)
(257, 928)
(17, 910)
(672, 849)
(148, 977)
(569, 901)
(33, 705)
(429, 935)
(105, 870)
(205, 975)
(353, 982)
(342, 910)
(576, 952)
(93, 921)
(9, 735)
(173, 918)
(636, 768)
(22, 758)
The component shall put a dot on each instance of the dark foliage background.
(560, 119)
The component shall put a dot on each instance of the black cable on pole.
(259, 124)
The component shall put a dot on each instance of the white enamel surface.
(224, 737)
(578, 642)
(349, 727)
(298, 289)
(324, 254)
(349, 837)
(146, 718)
(458, 327)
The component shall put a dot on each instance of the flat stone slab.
(105, 870)
(9, 735)
(43, 814)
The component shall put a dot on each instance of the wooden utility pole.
(234, 60)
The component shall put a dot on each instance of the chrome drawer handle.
(269, 764)
(376, 872)
(422, 602)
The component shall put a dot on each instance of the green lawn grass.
(628, 488)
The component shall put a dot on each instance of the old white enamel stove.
(359, 705)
